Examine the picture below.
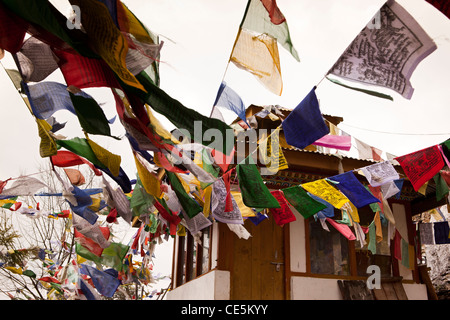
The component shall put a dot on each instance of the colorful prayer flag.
(264, 17)
(48, 97)
(305, 124)
(36, 60)
(229, 99)
(324, 190)
(105, 283)
(342, 228)
(420, 166)
(353, 189)
(380, 173)
(373, 60)
(255, 49)
(283, 214)
(335, 142)
(255, 194)
(302, 202)
(258, 54)
(219, 197)
(190, 206)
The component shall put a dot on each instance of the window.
(193, 257)
(328, 251)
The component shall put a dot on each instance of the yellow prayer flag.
(271, 152)
(105, 39)
(245, 211)
(423, 188)
(322, 189)
(379, 230)
(207, 200)
(110, 160)
(150, 182)
(80, 259)
(353, 212)
(47, 147)
(258, 54)
(158, 127)
(95, 206)
(181, 230)
(6, 201)
(15, 270)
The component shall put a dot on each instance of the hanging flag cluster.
(181, 185)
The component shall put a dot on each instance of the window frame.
(189, 257)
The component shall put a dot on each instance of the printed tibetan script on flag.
(386, 55)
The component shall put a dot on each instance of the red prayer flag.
(83, 72)
(12, 30)
(3, 184)
(343, 229)
(90, 244)
(422, 165)
(276, 16)
(112, 215)
(169, 217)
(49, 279)
(67, 159)
(442, 5)
(283, 214)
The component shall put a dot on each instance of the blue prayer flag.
(328, 212)
(305, 124)
(105, 283)
(48, 97)
(353, 189)
(83, 202)
(229, 99)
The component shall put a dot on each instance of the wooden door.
(257, 265)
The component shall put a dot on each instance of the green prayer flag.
(140, 201)
(29, 273)
(190, 206)
(255, 194)
(183, 117)
(441, 186)
(91, 116)
(257, 18)
(111, 256)
(302, 202)
(82, 148)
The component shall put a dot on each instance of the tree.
(41, 258)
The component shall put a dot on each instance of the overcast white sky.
(198, 38)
